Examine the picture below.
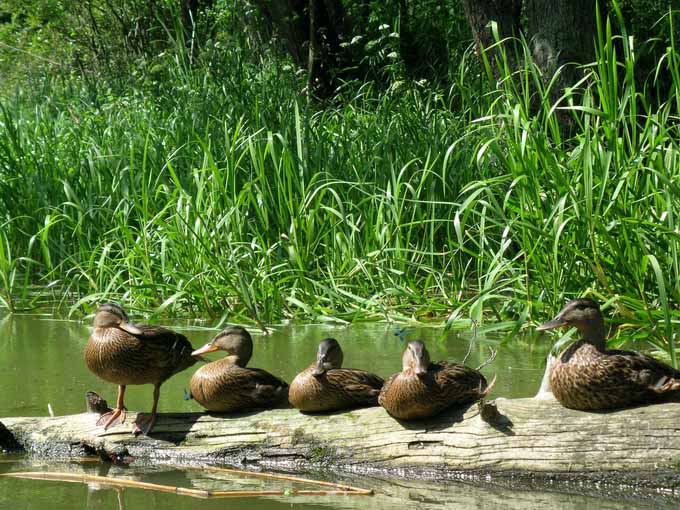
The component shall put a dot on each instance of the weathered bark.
(561, 32)
(527, 438)
(506, 14)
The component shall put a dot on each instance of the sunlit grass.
(235, 197)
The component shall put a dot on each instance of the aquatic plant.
(220, 190)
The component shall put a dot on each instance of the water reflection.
(389, 495)
(42, 360)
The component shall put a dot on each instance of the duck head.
(328, 356)
(416, 358)
(111, 315)
(583, 314)
(234, 340)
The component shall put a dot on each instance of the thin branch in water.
(195, 493)
(489, 360)
(272, 476)
(474, 337)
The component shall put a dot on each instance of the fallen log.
(519, 438)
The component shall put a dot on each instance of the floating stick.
(196, 493)
(255, 474)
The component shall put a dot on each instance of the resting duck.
(423, 389)
(124, 354)
(226, 385)
(326, 386)
(589, 377)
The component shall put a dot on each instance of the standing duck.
(589, 377)
(226, 385)
(423, 389)
(326, 386)
(125, 354)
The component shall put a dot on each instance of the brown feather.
(151, 358)
(227, 385)
(333, 390)
(586, 378)
(408, 396)
(223, 387)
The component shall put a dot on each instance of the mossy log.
(525, 438)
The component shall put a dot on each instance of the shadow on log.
(520, 439)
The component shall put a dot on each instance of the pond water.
(41, 363)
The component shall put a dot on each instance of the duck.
(228, 385)
(125, 354)
(325, 386)
(424, 389)
(589, 377)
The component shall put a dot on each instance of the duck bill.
(557, 322)
(209, 347)
(133, 330)
(320, 368)
(420, 368)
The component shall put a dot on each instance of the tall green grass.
(219, 190)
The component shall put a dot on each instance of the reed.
(231, 196)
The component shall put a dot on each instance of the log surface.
(534, 438)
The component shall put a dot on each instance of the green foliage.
(212, 186)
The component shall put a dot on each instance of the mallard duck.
(126, 354)
(326, 386)
(423, 389)
(588, 376)
(227, 385)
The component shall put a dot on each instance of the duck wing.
(641, 371)
(356, 385)
(266, 388)
(459, 382)
(250, 387)
(165, 349)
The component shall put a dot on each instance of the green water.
(41, 363)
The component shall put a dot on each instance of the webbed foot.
(144, 425)
(113, 417)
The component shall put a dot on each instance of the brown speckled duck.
(588, 376)
(326, 386)
(423, 389)
(125, 354)
(227, 385)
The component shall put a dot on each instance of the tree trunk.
(312, 33)
(189, 14)
(506, 14)
(290, 22)
(520, 438)
(406, 38)
(327, 27)
(561, 32)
